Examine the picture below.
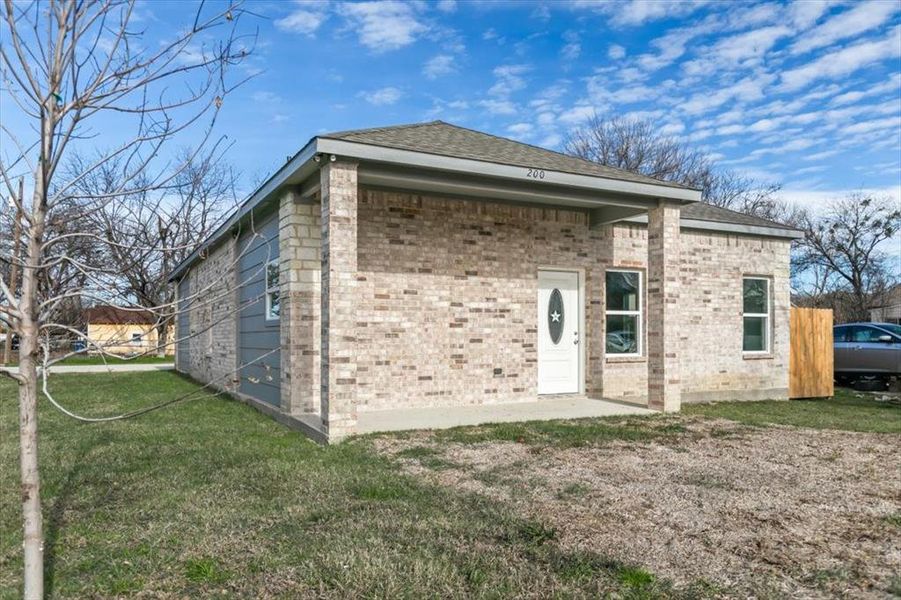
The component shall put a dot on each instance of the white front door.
(559, 321)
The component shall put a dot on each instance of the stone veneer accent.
(212, 321)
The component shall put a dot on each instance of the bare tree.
(148, 233)
(69, 67)
(636, 145)
(842, 261)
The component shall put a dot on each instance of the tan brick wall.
(339, 350)
(300, 241)
(663, 307)
(212, 317)
(446, 309)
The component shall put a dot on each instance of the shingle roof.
(444, 139)
(701, 211)
(115, 315)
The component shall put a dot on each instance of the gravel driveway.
(752, 511)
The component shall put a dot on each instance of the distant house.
(120, 330)
(890, 310)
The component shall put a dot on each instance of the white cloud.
(551, 141)
(541, 12)
(442, 64)
(817, 199)
(887, 124)
(520, 129)
(577, 114)
(382, 96)
(672, 128)
(850, 23)
(498, 107)
(638, 12)
(892, 85)
(305, 19)
(573, 47)
(265, 97)
(805, 13)
(616, 52)
(844, 61)
(747, 89)
(821, 155)
(753, 44)
(509, 79)
(600, 94)
(384, 25)
(670, 47)
(814, 169)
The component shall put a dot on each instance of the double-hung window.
(273, 303)
(624, 305)
(756, 315)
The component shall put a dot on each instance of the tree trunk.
(33, 542)
(162, 339)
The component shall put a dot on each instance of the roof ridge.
(382, 128)
(563, 154)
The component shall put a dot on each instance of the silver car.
(867, 352)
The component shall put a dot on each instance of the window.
(136, 338)
(840, 334)
(273, 303)
(756, 313)
(623, 306)
(865, 335)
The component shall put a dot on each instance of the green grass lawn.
(210, 498)
(98, 360)
(847, 410)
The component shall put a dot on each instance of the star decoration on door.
(555, 316)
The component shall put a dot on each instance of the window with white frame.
(273, 303)
(756, 315)
(136, 338)
(623, 312)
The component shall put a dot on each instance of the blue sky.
(806, 93)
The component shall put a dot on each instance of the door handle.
(576, 340)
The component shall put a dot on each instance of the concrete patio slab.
(554, 407)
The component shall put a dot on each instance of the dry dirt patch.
(760, 511)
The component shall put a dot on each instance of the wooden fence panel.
(811, 358)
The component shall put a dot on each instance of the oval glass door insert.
(555, 316)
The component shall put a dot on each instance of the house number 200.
(535, 174)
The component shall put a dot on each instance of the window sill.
(625, 359)
(760, 356)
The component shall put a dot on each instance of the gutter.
(760, 230)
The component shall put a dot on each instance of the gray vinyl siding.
(256, 335)
(183, 326)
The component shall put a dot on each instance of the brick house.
(430, 267)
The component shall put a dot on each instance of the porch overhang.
(608, 200)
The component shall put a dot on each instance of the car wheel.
(870, 383)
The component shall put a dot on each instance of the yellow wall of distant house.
(117, 339)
